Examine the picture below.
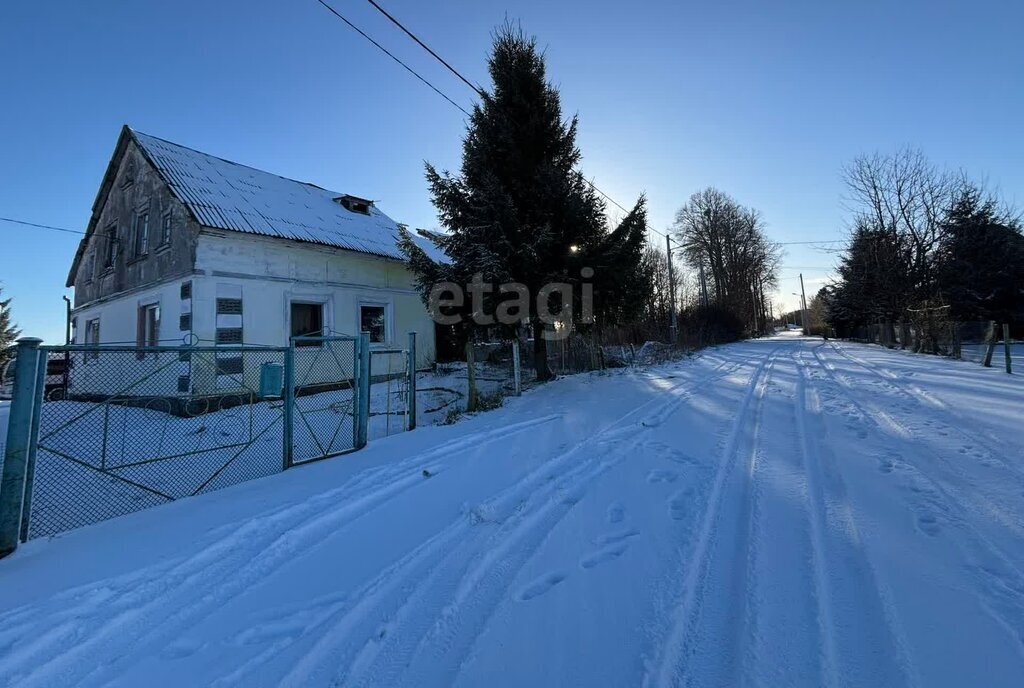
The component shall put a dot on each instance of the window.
(229, 306)
(185, 322)
(355, 204)
(229, 335)
(142, 234)
(165, 230)
(372, 319)
(230, 366)
(186, 290)
(148, 328)
(92, 337)
(307, 320)
(110, 248)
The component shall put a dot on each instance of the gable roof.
(226, 195)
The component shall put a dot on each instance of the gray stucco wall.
(125, 201)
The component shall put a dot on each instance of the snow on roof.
(225, 195)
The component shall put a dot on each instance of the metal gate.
(326, 388)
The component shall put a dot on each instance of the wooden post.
(516, 375)
(471, 372)
(410, 410)
(1006, 347)
(991, 345)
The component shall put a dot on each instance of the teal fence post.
(30, 467)
(363, 393)
(411, 406)
(288, 409)
(24, 406)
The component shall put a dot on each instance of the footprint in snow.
(616, 512)
(615, 536)
(540, 586)
(660, 476)
(604, 555)
(928, 524)
(181, 648)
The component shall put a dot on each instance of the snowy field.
(785, 511)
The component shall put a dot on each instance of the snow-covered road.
(776, 512)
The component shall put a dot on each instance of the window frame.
(166, 225)
(322, 305)
(147, 328)
(91, 325)
(140, 238)
(110, 249)
(388, 333)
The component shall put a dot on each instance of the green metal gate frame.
(360, 391)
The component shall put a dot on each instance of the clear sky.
(764, 100)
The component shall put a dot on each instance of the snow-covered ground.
(784, 511)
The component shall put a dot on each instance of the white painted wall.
(117, 372)
(267, 275)
(272, 273)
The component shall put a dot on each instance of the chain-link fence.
(126, 428)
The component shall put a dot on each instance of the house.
(187, 248)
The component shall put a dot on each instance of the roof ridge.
(136, 132)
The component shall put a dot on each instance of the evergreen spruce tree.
(520, 211)
(8, 332)
(981, 260)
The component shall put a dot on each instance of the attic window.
(354, 204)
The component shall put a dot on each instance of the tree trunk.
(540, 352)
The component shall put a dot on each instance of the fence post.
(24, 406)
(30, 465)
(516, 374)
(410, 408)
(288, 409)
(363, 395)
(992, 337)
(1006, 347)
(471, 375)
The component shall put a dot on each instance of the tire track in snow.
(460, 565)
(1003, 591)
(862, 645)
(227, 567)
(686, 628)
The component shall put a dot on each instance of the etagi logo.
(555, 303)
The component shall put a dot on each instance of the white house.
(184, 247)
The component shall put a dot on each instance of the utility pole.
(803, 303)
(673, 325)
(703, 286)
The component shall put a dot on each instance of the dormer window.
(355, 204)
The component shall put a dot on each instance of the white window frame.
(144, 307)
(91, 324)
(389, 320)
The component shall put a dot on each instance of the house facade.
(186, 248)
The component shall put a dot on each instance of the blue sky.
(763, 100)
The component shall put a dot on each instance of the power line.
(476, 89)
(34, 224)
(423, 45)
(389, 54)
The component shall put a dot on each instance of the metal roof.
(225, 195)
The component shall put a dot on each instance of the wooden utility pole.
(803, 303)
(673, 326)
